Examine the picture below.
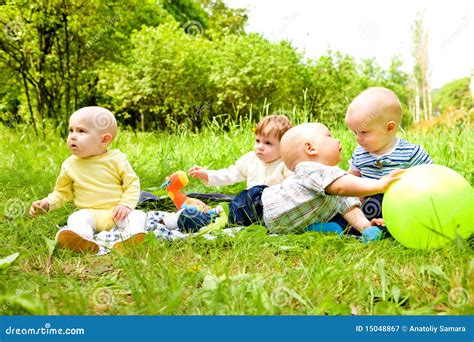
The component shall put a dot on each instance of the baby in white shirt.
(262, 166)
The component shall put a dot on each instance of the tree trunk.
(25, 84)
(68, 69)
(417, 108)
(76, 75)
(425, 105)
(430, 104)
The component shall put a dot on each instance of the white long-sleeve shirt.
(251, 169)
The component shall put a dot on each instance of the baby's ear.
(107, 138)
(310, 149)
(391, 126)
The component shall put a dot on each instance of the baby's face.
(370, 133)
(267, 147)
(329, 149)
(84, 140)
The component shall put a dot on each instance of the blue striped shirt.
(403, 156)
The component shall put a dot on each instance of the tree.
(54, 48)
(421, 72)
(455, 94)
(332, 82)
(159, 64)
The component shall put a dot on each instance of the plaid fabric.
(301, 200)
(106, 239)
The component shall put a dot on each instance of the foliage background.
(159, 64)
(188, 75)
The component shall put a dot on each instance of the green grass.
(252, 273)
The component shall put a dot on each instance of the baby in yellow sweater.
(101, 182)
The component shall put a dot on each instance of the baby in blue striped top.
(375, 116)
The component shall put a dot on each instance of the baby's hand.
(121, 212)
(377, 222)
(355, 173)
(39, 207)
(198, 172)
(393, 176)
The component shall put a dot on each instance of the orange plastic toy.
(174, 183)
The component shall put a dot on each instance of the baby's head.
(91, 130)
(374, 116)
(268, 133)
(310, 142)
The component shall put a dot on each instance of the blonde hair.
(378, 103)
(276, 124)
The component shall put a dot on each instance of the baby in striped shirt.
(375, 116)
(315, 194)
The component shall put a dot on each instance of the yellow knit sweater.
(99, 182)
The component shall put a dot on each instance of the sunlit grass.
(252, 273)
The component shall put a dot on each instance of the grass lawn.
(252, 273)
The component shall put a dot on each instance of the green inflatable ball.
(429, 207)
